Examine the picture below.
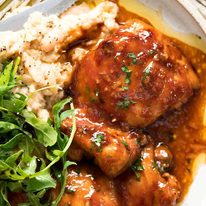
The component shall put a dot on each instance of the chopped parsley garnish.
(125, 103)
(78, 171)
(155, 166)
(70, 190)
(138, 142)
(137, 168)
(125, 88)
(140, 62)
(128, 74)
(133, 57)
(97, 138)
(151, 52)
(125, 143)
(147, 71)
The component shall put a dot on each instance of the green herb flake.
(125, 103)
(125, 88)
(70, 190)
(97, 138)
(125, 144)
(138, 142)
(94, 97)
(125, 69)
(78, 171)
(128, 74)
(133, 57)
(151, 52)
(140, 62)
(154, 165)
(137, 168)
(147, 71)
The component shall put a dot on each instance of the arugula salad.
(32, 151)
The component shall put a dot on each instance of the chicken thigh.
(154, 186)
(87, 185)
(135, 75)
(113, 149)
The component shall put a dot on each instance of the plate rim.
(194, 13)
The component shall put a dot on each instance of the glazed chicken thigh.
(105, 143)
(159, 188)
(135, 75)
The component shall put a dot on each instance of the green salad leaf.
(46, 134)
(63, 142)
(43, 181)
(6, 73)
(7, 77)
(29, 146)
(57, 108)
(7, 127)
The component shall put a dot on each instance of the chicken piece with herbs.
(149, 184)
(135, 75)
(113, 149)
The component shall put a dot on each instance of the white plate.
(182, 15)
(179, 19)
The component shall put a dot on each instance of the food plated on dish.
(98, 107)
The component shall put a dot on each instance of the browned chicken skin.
(135, 75)
(153, 189)
(113, 150)
(88, 186)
